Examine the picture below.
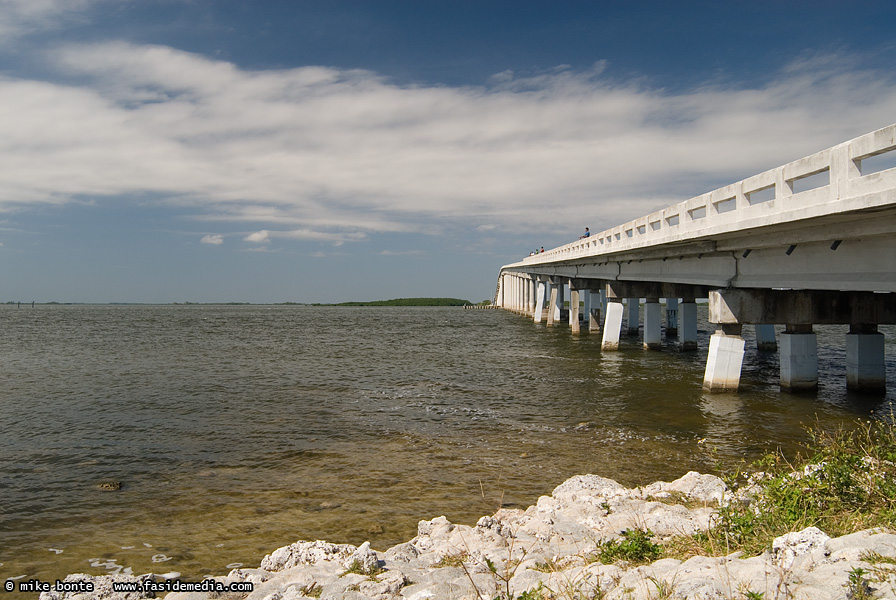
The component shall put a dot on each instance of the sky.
(325, 151)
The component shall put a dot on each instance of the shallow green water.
(238, 429)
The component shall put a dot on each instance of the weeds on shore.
(635, 547)
(845, 482)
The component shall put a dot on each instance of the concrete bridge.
(807, 243)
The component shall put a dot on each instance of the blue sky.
(273, 151)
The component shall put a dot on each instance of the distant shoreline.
(392, 302)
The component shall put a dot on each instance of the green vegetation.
(844, 482)
(358, 568)
(408, 302)
(634, 547)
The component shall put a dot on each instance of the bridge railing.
(828, 182)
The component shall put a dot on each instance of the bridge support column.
(574, 310)
(533, 295)
(724, 360)
(586, 308)
(612, 325)
(652, 325)
(525, 296)
(671, 317)
(552, 304)
(865, 367)
(539, 302)
(603, 300)
(799, 359)
(558, 306)
(765, 338)
(633, 306)
(687, 340)
(595, 313)
(514, 293)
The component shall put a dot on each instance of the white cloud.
(259, 237)
(213, 239)
(329, 155)
(21, 17)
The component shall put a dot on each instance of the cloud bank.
(334, 155)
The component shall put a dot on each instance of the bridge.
(808, 243)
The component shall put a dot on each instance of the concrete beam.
(801, 307)
(646, 289)
(714, 270)
(840, 263)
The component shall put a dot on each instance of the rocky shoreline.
(545, 552)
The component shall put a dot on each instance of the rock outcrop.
(550, 550)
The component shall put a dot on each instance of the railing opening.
(629, 232)
(811, 181)
(726, 205)
(697, 213)
(877, 162)
(655, 225)
(642, 229)
(672, 221)
(761, 195)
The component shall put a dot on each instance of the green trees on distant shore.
(410, 302)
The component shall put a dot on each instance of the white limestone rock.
(590, 488)
(787, 548)
(693, 486)
(102, 588)
(431, 533)
(365, 558)
(306, 553)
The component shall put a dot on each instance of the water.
(238, 429)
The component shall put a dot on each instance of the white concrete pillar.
(671, 317)
(765, 338)
(633, 315)
(561, 299)
(866, 370)
(524, 295)
(586, 308)
(612, 326)
(799, 358)
(539, 302)
(574, 310)
(603, 300)
(533, 295)
(553, 312)
(595, 313)
(687, 333)
(724, 360)
(508, 291)
(527, 295)
(652, 324)
(499, 297)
